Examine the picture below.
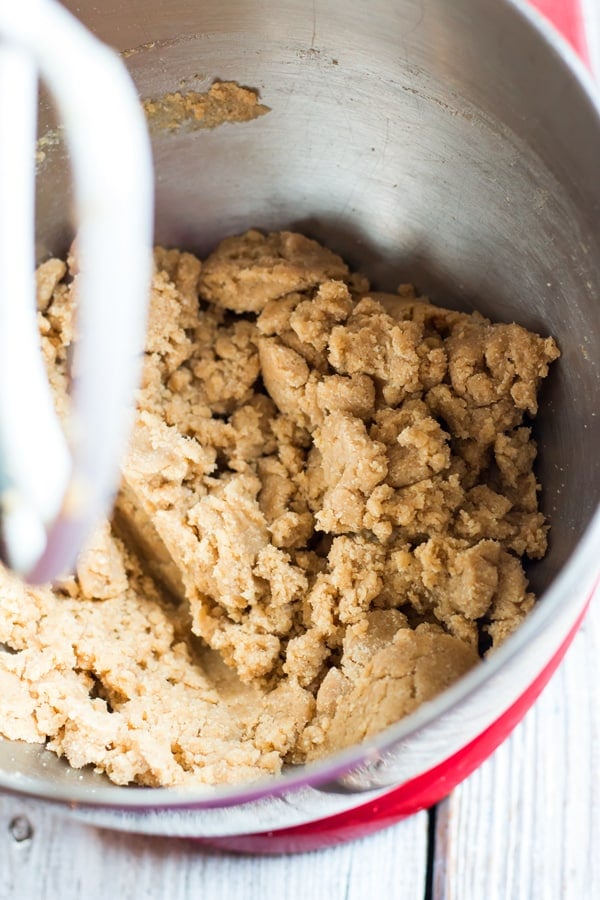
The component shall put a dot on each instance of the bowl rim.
(584, 560)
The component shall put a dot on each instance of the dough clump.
(322, 521)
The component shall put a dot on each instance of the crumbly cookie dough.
(321, 523)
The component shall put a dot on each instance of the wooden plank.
(46, 857)
(526, 825)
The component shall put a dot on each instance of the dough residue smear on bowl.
(321, 524)
(224, 101)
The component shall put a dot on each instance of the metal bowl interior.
(453, 145)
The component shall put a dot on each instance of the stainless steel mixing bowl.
(455, 144)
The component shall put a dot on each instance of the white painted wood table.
(525, 826)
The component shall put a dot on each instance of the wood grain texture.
(526, 825)
(63, 860)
